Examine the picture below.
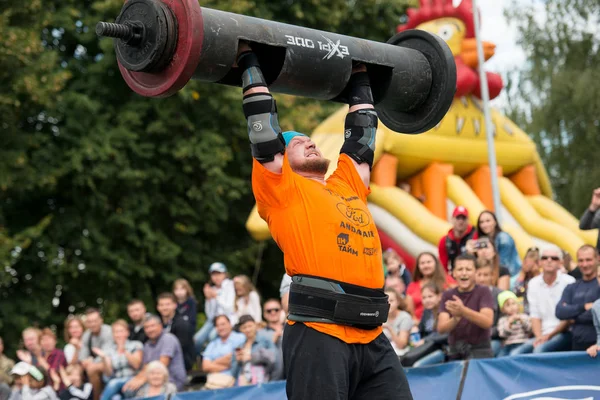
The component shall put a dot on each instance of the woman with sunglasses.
(487, 225)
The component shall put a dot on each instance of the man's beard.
(313, 166)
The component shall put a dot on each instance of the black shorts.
(319, 366)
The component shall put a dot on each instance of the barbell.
(161, 44)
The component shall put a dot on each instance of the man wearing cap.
(455, 242)
(333, 345)
(219, 297)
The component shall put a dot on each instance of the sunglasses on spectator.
(272, 310)
(554, 258)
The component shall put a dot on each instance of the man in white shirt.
(543, 294)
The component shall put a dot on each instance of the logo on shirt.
(343, 243)
(257, 126)
(357, 231)
(370, 251)
(357, 216)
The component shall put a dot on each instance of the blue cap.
(289, 135)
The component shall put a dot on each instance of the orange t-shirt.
(323, 230)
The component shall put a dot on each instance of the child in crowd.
(186, 302)
(36, 384)
(485, 277)
(399, 322)
(514, 327)
(529, 270)
(467, 313)
(73, 379)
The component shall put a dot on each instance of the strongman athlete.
(333, 345)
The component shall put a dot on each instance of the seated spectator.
(33, 348)
(122, 359)
(484, 277)
(397, 283)
(467, 313)
(487, 226)
(485, 252)
(253, 361)
(428, 350)
(579, 297)
(591, 218)
(136, 310)
(247, 299)
(395, 266)
(157, 381)
(514, 327)
(593, 349)
(217, 358)
(74, 329)
(97, 335)
(6, 364)
(176, 324)
(399, 322)
(219, 299)
(36, 384)
(186, 302)
(454, 243)
(161, 346)
(530, 268)
(427, 270)
(75, 386)
(543, 295)
(273, 331)
(52, 358)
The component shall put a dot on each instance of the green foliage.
(560, 83)
(105, 195)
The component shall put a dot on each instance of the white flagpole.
(489, 127)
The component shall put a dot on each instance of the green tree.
(105, 195)
(559, 84)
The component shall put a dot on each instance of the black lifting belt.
(314, 299)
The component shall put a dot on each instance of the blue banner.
(551, 376)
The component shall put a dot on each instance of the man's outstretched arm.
(361, 124)
(266, 140)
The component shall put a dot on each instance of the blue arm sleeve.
(564, 308)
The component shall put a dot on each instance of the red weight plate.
(177, 74)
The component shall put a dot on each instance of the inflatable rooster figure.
(455, 25)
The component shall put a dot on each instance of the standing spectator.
(543, 295)
(6, 364)
(74, 329)
(186, 302)
(75, 386)
(487, 225)
(97, 335)
(485, 277)
(122, 359)
(579, 297)
(529, 270)
(275, 318)
(33, 348)
(454, 243)
(428, 270)
(161, 346)
(36, 385)
(136, 310)
(399, 323)
(254, 360)
(395, 266)
(217, 358)
(467, 313)
(176, 324)
(590, 218)
(157, 382)
(219, 299)
(486, 254)
(514, 327)
(52, 358)
(247, 300)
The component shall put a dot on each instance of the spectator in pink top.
(428, 270)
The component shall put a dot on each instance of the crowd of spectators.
(474, 299)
